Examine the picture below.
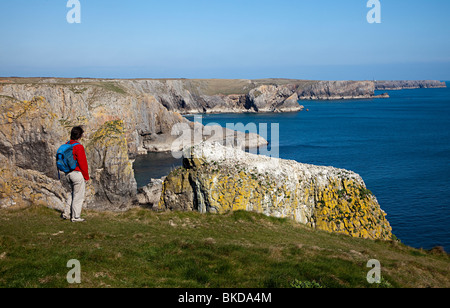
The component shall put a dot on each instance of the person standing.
(77, 178)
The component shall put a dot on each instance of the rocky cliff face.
(124, 118)
(92, 103)
(408, 84)
(37, 118)
(31, 132)
(272, 98)
(239, 96)
(223, 96)
(120, 122)
(113, 182)
(336, 90)
(219, 179)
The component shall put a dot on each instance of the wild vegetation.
(140, 248)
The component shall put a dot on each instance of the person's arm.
(80, 156)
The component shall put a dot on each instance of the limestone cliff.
(114, 185)
(246, 96)
(120, 122)
(36, 118)
(219, 96)
(147, 123)
(337, 90)
(124, 118)
(408, 84)
(30, 134)
(219, 179)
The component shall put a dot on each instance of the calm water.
(400, 146)
(154, 165)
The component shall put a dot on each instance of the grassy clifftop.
(198, 86)
(239, 86)
(140, 248)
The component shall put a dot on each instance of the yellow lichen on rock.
(349, 208)
(112, 171)
(324, 198)
(30, 133)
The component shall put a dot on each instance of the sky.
(301, 39)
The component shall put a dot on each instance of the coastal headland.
(125, 118)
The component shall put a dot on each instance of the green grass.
(236, 86)
(111, 86)
(77, 86)
(195, 86)
(141, 248)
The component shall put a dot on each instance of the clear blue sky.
(305, 39)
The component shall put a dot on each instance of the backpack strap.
(76, 143)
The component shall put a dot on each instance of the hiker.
(77, 178)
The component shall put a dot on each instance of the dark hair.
(76, 133)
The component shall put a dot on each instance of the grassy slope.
(140, 248)
(236, 86)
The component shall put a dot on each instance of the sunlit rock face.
(220, 179)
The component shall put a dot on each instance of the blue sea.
(400, 146)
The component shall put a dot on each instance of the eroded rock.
(220, 179)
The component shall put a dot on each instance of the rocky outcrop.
(272, 98)
(198, 96)
(37, 119)
(37, 116)
(113, 182)
(92, 103)
(30, 134)
(149, 195)
(337, 90)
(220, 179)
(124, 118)
(248, 96)
(408, 84)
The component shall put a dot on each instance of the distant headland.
(196, 96)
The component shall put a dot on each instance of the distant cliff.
(124, 118)
(217, 179)
(338, 90)
(408, 84)
(247, 96)
(219, 96)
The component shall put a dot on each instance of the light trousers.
(78, 185)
